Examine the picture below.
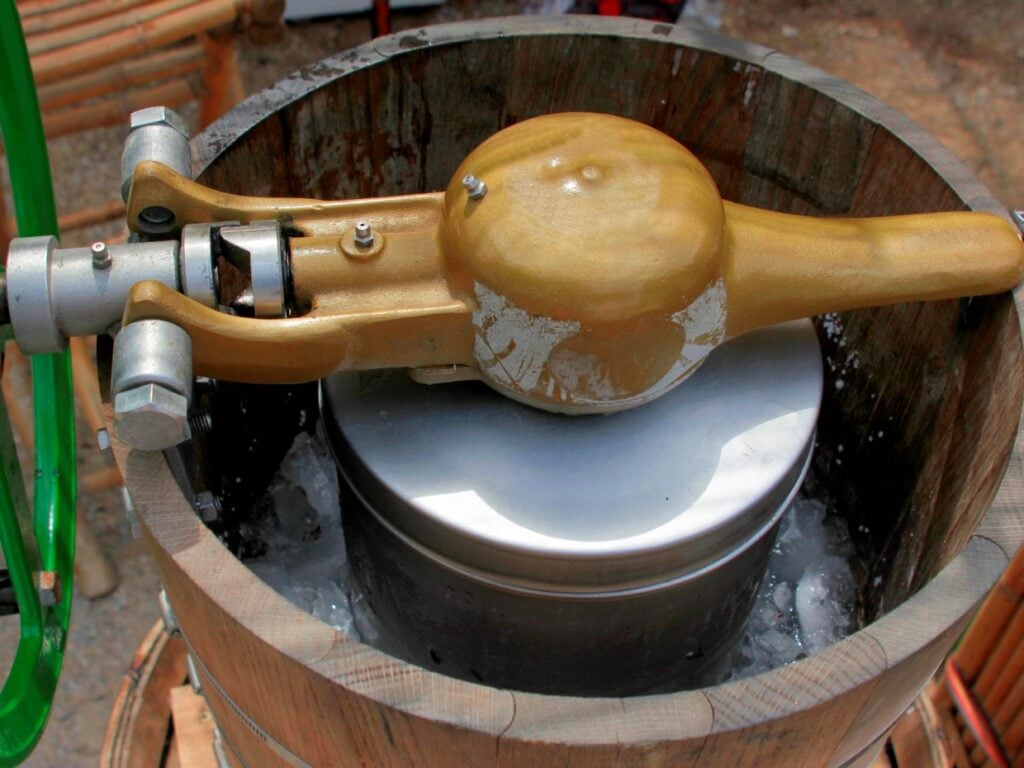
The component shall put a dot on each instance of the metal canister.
(588, 555)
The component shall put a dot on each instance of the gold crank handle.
(156, 186)
(781, 266)
(243, 349)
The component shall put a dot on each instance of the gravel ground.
(949, 64)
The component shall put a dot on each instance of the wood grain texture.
(927, 412)
(139, 723)
(193, 728)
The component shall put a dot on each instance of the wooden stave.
(517, 728)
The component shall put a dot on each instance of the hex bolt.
(49, 588)
(151, 418)
(207, 506)
(474, 186)
(364, 235)
(161, 135)
(101, 256)
(152, 384)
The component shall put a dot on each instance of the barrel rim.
(947, 600)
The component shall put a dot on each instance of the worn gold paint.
(592, 276)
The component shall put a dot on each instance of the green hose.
(41, 539)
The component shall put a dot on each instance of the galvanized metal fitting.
(100, 256)
(364, 235)
(262, 245)
(474, 186)
(161, 135)
(152, 384)
(58, 292)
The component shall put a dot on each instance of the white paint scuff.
(524, 353)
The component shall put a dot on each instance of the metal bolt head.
(158, 116)
(151, 417)
(49, 588)
(100, 256)
(364, 235)
(474, 186)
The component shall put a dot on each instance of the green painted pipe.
(41, 539)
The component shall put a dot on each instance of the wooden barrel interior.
(919, 419)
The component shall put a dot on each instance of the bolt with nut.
(474, 186)
(152, 384)
(364, 235)
(101, 256)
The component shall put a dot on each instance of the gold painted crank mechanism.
(592, 270)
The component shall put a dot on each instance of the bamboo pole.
(1008, 676)
(112, 111)
(125, 43)
(1013, 704)
(102, 479)
(99, 28)
(123, 75)
(985, 631)
(30, 8)
(94, 573)
(999, 659)
(75, 14)
(1013, 738)
(86, 217)
(95, 214)
(222, 81)
(17, 391)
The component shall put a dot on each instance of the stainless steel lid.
(534, 501)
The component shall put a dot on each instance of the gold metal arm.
(578, 262)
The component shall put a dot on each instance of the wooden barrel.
(919, 418)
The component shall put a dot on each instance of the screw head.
(151, 417)
(158, 116)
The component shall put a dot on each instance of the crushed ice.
(806, 601)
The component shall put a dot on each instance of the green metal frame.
(41, 538)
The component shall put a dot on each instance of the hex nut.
(151, 417)
(158, 116)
